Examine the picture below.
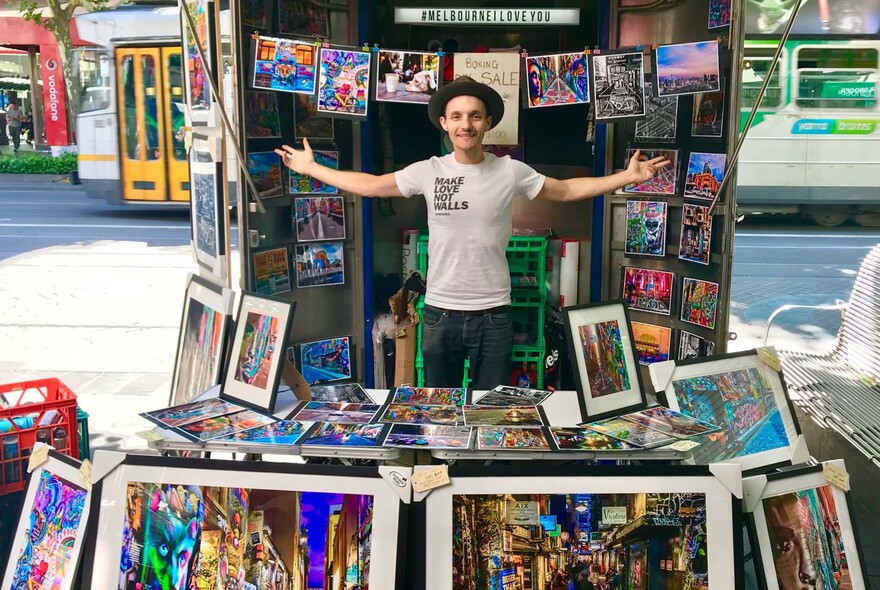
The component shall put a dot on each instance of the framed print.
(285, 65)
(265, 170)
(307, 122)
(301, 17)
(689, 511)
(619, 86)
(645, 228)
(195, 75)
(410, 77)
(271, 271)
(201, 343)
(420, 436)
(745, 398)
(704, 175)
(206, 208)
(661, 123)
(320, 264)
(691, 346)
(558, 79)
(344, 83)
(695, 244)
(50, 534)
(148, 503)
(803, 530)
(254, 369)
(604, 360)
(261, 115)
(653, 343)
(303, 184)
(688, 68)
(645, 289)
(699, 302)
(719, 14)
(665, 182)
(707, 119)
(323, 361)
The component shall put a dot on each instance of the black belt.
(471, 312)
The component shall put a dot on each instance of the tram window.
(151, 121)
(837, 78)
(755, 67)
(175, 107)
(129, 106)
(94, 77)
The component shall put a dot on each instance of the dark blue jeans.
(449, 337)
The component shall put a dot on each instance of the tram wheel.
(828, 215)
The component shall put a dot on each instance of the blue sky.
(688, 59)
(716, 161)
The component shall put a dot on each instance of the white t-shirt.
(470, 212)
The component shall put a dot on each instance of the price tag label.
(836, 477)
(39, 455)
(151, 436)
(85, 474)
(684, 445)
(770, 359)
(435, 477)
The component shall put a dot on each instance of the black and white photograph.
(662, 118)
(208, 237)
(505, 395)
(619, 86)
(691, 346)
(351, 393)
(319, 218)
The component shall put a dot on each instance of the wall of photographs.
(664, 254)
(303, 247)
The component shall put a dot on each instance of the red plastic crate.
(43, 410)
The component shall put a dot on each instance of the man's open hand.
(644, 170)
(297, 160)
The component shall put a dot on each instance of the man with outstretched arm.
(470, 197)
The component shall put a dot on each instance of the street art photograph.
(559, 79)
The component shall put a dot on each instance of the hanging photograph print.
(318, 265)
(285, 65)
(198, 90)
(696, 234)
(265, 170)
(323, 361)
(307, 122)
(619, 86)
(272, 271)
(645, 228)
(407, 76)
(206, 209)
(699, 302)
(303, 17)
(660, 124)
(708, 115)
(302, 183)
(691, 346)
(648, 290)
(704, 175)
(319, 218)
(344, 84)
(664, 182)
(554, 80)
(688, 68)
(261, 115)
(719, 14)
(652, 342)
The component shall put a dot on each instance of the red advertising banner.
(54, 100)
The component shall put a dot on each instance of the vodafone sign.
(54, 103)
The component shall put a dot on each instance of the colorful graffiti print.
(604, 357)
(345, 82)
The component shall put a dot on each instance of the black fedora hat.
(466, 86)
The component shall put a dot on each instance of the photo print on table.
(719, 14)
(603, 359)
(201, 346)
(631, 433)
(418, 436)
(645, 289)
(502, 416)
(661, 122)
(327, 434)
(261, 115)
(515, 439)
(319, 218)
(320, 264)
(343, 392)
(285, 65)
(410, 77)
(343, 413)
(423, 414)
(283, 432)
(699, 302)
(558, 79)
(664, 182)
(307, 122)
(695, 244)
(688, 68)
(652, 342)
(618, 86)
(198, 91)
(265, 170)
(645, 228)
(671, 422)
(439, 396)
(704, 174)
(344, 84)
(223, 426)
(708, 115)
(691, 346)
(190, 412)
(301, 17)
(304, 184)
(582, 439)
(506, 395)
(324, 361)
(272, 271)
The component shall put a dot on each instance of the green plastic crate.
(82, 428)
